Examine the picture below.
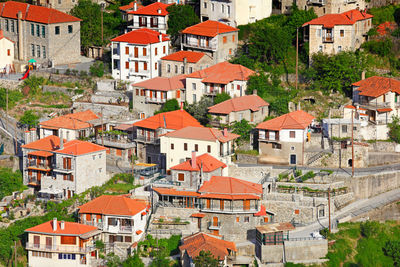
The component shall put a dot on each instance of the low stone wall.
(382, 158)
(246, 159)
(54, 89)
(322, 187)
(109, 111)
(382, 146)
(251, 174)
(10, 84)
(343, 200)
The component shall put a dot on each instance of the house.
(320, 7)
(132, 6)
(59, 243)
(153, 16)
(136, 55)
(281, 140)
(222, 77)
(184, 62)
(121, 219)
(235, 13)
(213, 38)
(59, 169)
(41, 33)
(333, 33)
(177, 146)
(192, 246)
(149, 96)
(6, 53)
(192, 173)
(251, 108)
(71, 126)
(149, 130)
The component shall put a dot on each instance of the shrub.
(369, 228)
(381, 48)
(97, 69)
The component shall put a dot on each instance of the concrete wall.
(306, 250)
(107, 110)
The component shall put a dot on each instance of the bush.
(380, 48)
(394, 129)
(29, 118)
(369, 228)
(221, 98)
(307, 176)
(97, 69)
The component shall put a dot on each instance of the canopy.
(32, 60)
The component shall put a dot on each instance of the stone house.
(192, 173)
(136, 55)
(121, 219)
(150, 95)
(282, 140)
(71, 126)
(59, 170)
(321, 7)
(235, 13)
(177, 146)
(59, 243)
(333, 33)
(219, 78)
(213, 38)
(132, 6)
(6, 52)
(191, 246)
(148, 131)
(184, 62)
(251, 108)
(153, 16)
(41, 33)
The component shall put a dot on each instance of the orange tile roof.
(202, 242)
(294, 120)
(174, 192)
(138, 232)
(230, 185)
(223, 73)
(141, 36)
(155, 9)
(202, 133)
(210, 28)
(382, 110)
(247, 102)
(230, 197)
(353, 107)
(131, 5)
(49, 143)
(163, 83)
(173, 120)
(191, 56)
(40, 153)
(347, 18)
(205, 161)
(70, 228)
(33, 13)
(74, 121)
(78, 147)
(113, 205)
(2, 36)
(198, 215)
(376, 86)
(262, 212)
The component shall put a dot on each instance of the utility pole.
(102, 127)
(102, 35)
(329, 207)
(352, 143)
(297, 57)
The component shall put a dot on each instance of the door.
(215, 232)
(36, 241)
(64, 163)
(221, 204)
(208, 203)
(68, 163)
(69, 194)
(215, 221)
(246, 204)
(136, 52)
(136, 66)
(49, 242)
(39, 176)
(293, 159)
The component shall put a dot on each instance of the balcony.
(214, 225)
(63, 169)
(211, 92)
(137, 25)
(147, 139)
(195, 44)
(60, 248)
(118, 142)
(115, 52)
(34, 181)
(155, 100)
(97, 224)
(316, 2)
(43, 165)
(229, 210)
(229, 152)
(373, 105)
(118, 229)
(327, 39)
(133, 72)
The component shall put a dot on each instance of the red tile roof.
(131, 5)
(174, 192)
(163, 83)
(40, 153)
(376, 86)
(40, 14)
(209, 28)
(138, 232)
(198, 215)
(230, 197)
(382, 110)
(2, 36)
(141, 36)
(230, 185)
(223, 73)
(74, 121)
(202, 242)
(205, 161)
(173, 120)
(347, 18)
(202, 133)
(191, 56)
(70, 228)
(262, 212)
(353, 107)
(49, 143)
(113, 205)
(155, 9)
(247, 102)
(78, 147)
(294, 120)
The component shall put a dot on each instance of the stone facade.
(193, 179)
(253, 117)
(171, 68)
(321, 7)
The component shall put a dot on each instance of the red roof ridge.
(141, 36)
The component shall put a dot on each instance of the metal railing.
(155, 100)
(43, 165)
(60, 167)
(148, 25)
(227, 153)
(327, 39)
(197, 45)
(228, 209)
(148, 139)
(60, 248)
(214, 225)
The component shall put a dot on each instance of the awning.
(138, 232)
(198, 215)
(229, 196)
(40, 153)
(382, 110)
(174, 192)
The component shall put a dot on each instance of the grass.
(120, 188)
(248, 152)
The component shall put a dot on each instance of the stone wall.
(252, 174)
(247, 159)
(53, 89)
(382, 158)
(382, 146)
(109, 111)
(10, 84)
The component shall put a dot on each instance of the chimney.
(225, 132)
(363, 75)
(159, 11)
(160, 37)
(255, 92)
(193, 159)
(61, 140)
(135, 6)
(62, 225)
(54, 224)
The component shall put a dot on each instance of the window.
(319, 32)
(190, 69)
(339, 48)
(41, 254)
(176, 68)
(172, 146)
(66, 256)
(68, 240)
(233, 38)
(344, 128)
(246, 219)
(292, 134)
(70, 30)
(230, 51)
(297, 212)
(182, 69)
(136, 52)
(185, 146)
(126, 50)
(341, 33)
(212, 6)
(237, 219)
(59, 2)
(194, 98)
(144, 65)
(7, 25)
(168, 68)
(37, 30)
(126, 65)
(38, 50)
(32, 50)
(193, 86)
(144, 52)
(229, 10)
(222, 8)
(12, 26)
(43, 31)
(181, 177)
(44, 51)
(99, 170)
(155, 51)
(208, 149)
(57, 30)
(276, 146)
(94, 157)
(32, 29)
(320, 48)
(164, 49)
(155, 65)
(8, 52)
(205, 5)
(196, 147)
(224, 39)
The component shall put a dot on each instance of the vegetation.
(169, 244)
(383, 14)
(394, 129)
(13, 97)
(97, 69)
(179, 18)
(134, 260)
(221, 98)
(247, 152)
(205, 258)
(199, 110)
(242, 128)
(10, 181)
(29, 118)
(169, 105)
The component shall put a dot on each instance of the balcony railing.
(229, 152)
(214, 225)
(118, 229)
(97, 224)
(230, 210)
(375, 105)
(122, 142)
(147, 139)
(42, 165)
(195, 44)
(60, 248)
(61, 168)
(136, 24)
(155, 100)
(327, 39)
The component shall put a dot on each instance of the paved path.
(354, 209)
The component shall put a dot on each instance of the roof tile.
(74, 121)
(230, 185)
(191, 56)
(141, 36)
(155, 9)
(298, 119)
(113, 205)
(70, 228)
(202, 133)
(163, 83)
(247, 102)
(347, 18)
(376, 86)
(173, 120)
(210, 28)
(205, 161)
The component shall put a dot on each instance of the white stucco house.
(153, 16)
(6, 52)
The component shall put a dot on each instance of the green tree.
(394, 129)
(134, 260)
(97, 69)
(169, 105)
(221, 98)
(392, 249)
(29, 118)
(113, 260)
(179, 18)
(242, 128)
(160, 257)
(206, 259)
(10, 181)
(297, 18)
(199, 110)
